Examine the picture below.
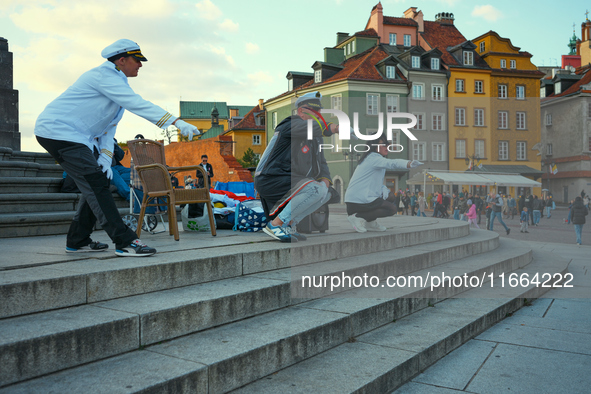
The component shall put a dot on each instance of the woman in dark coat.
(577, 217)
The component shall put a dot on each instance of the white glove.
(187, 130)
(415, 163)
(105, 162)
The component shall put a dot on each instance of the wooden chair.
(150, 164)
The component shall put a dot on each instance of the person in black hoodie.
(577, 217)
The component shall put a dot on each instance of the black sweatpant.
(96, 203)
(378, 208)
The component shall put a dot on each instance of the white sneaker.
(357, 223)
(374, 226)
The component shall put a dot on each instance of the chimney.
(412, 13)
(342, 37)
(445, 18)
(261, 104)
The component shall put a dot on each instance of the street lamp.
(472, 159)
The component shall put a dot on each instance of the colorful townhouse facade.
(211, 118)
(249, 132)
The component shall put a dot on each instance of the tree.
(169, 132)
(250, 159)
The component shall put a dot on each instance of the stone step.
(182, 311)
(384, 359)
(15, 185)
(105, 277)
(29, 224)
(40, 202)
(19, 169)
(32, 157)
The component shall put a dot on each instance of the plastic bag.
(200, 223)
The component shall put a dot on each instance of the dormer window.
(390, 72)
(434, 63)
(416, 62)
(468, 58)
(352, 46)
(317, 76)
(482, 46)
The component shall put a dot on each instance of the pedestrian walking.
(577, 217)
(524, 220)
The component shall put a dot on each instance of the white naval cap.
(123, 47)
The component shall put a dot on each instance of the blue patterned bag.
(249, 216)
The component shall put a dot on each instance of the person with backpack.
(497, 206)
(292, 177)
(538, 206)
(577, 216)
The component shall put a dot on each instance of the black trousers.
(378, 208)
(96, 203)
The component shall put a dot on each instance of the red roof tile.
(442, 36)
(367, 33)
(248, 122)
(391, 20)
(575, 87)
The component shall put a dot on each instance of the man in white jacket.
(85, 116)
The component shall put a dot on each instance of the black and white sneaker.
(135, 249)
(93, 246)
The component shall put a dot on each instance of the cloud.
(229, 26)
(251, 48)
(487, 12)
(208, 10)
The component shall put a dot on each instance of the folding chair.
(150, 164)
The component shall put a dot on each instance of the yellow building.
(249, 132)
(469, 115)
(207, 115)
(514, 118)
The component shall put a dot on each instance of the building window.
(436, 92)
(589, 110)
(391, 103)
(503, 91)
(420, 121)
(407, 40)
(503, 123)
(460, 116)
(373, 103)
(520, 92)
(437, 122)
(503, 63)
(482, 47)
(418, 91)
(434, 63)
(460, 148)
(418, 151)
(479, 149)
(390, 72)
(274, 120)
(548, 119)
(503, 150)
(478, 87)
(520, 121)
(478, 117)
(256, 139)
(416, 62)
(336, 102)
(459, 85)
(468, 58)
(512, 64)
(352, 46)
(317, 76)
(392, 38)
(438, 151)
(290, 84)
(548, 149)
(521, 150)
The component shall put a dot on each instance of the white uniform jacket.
(89, 110)
(367, 182)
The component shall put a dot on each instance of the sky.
(230, 51)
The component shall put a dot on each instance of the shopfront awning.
(471, 178)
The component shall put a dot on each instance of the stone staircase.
(30, 200)
(233, 315)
